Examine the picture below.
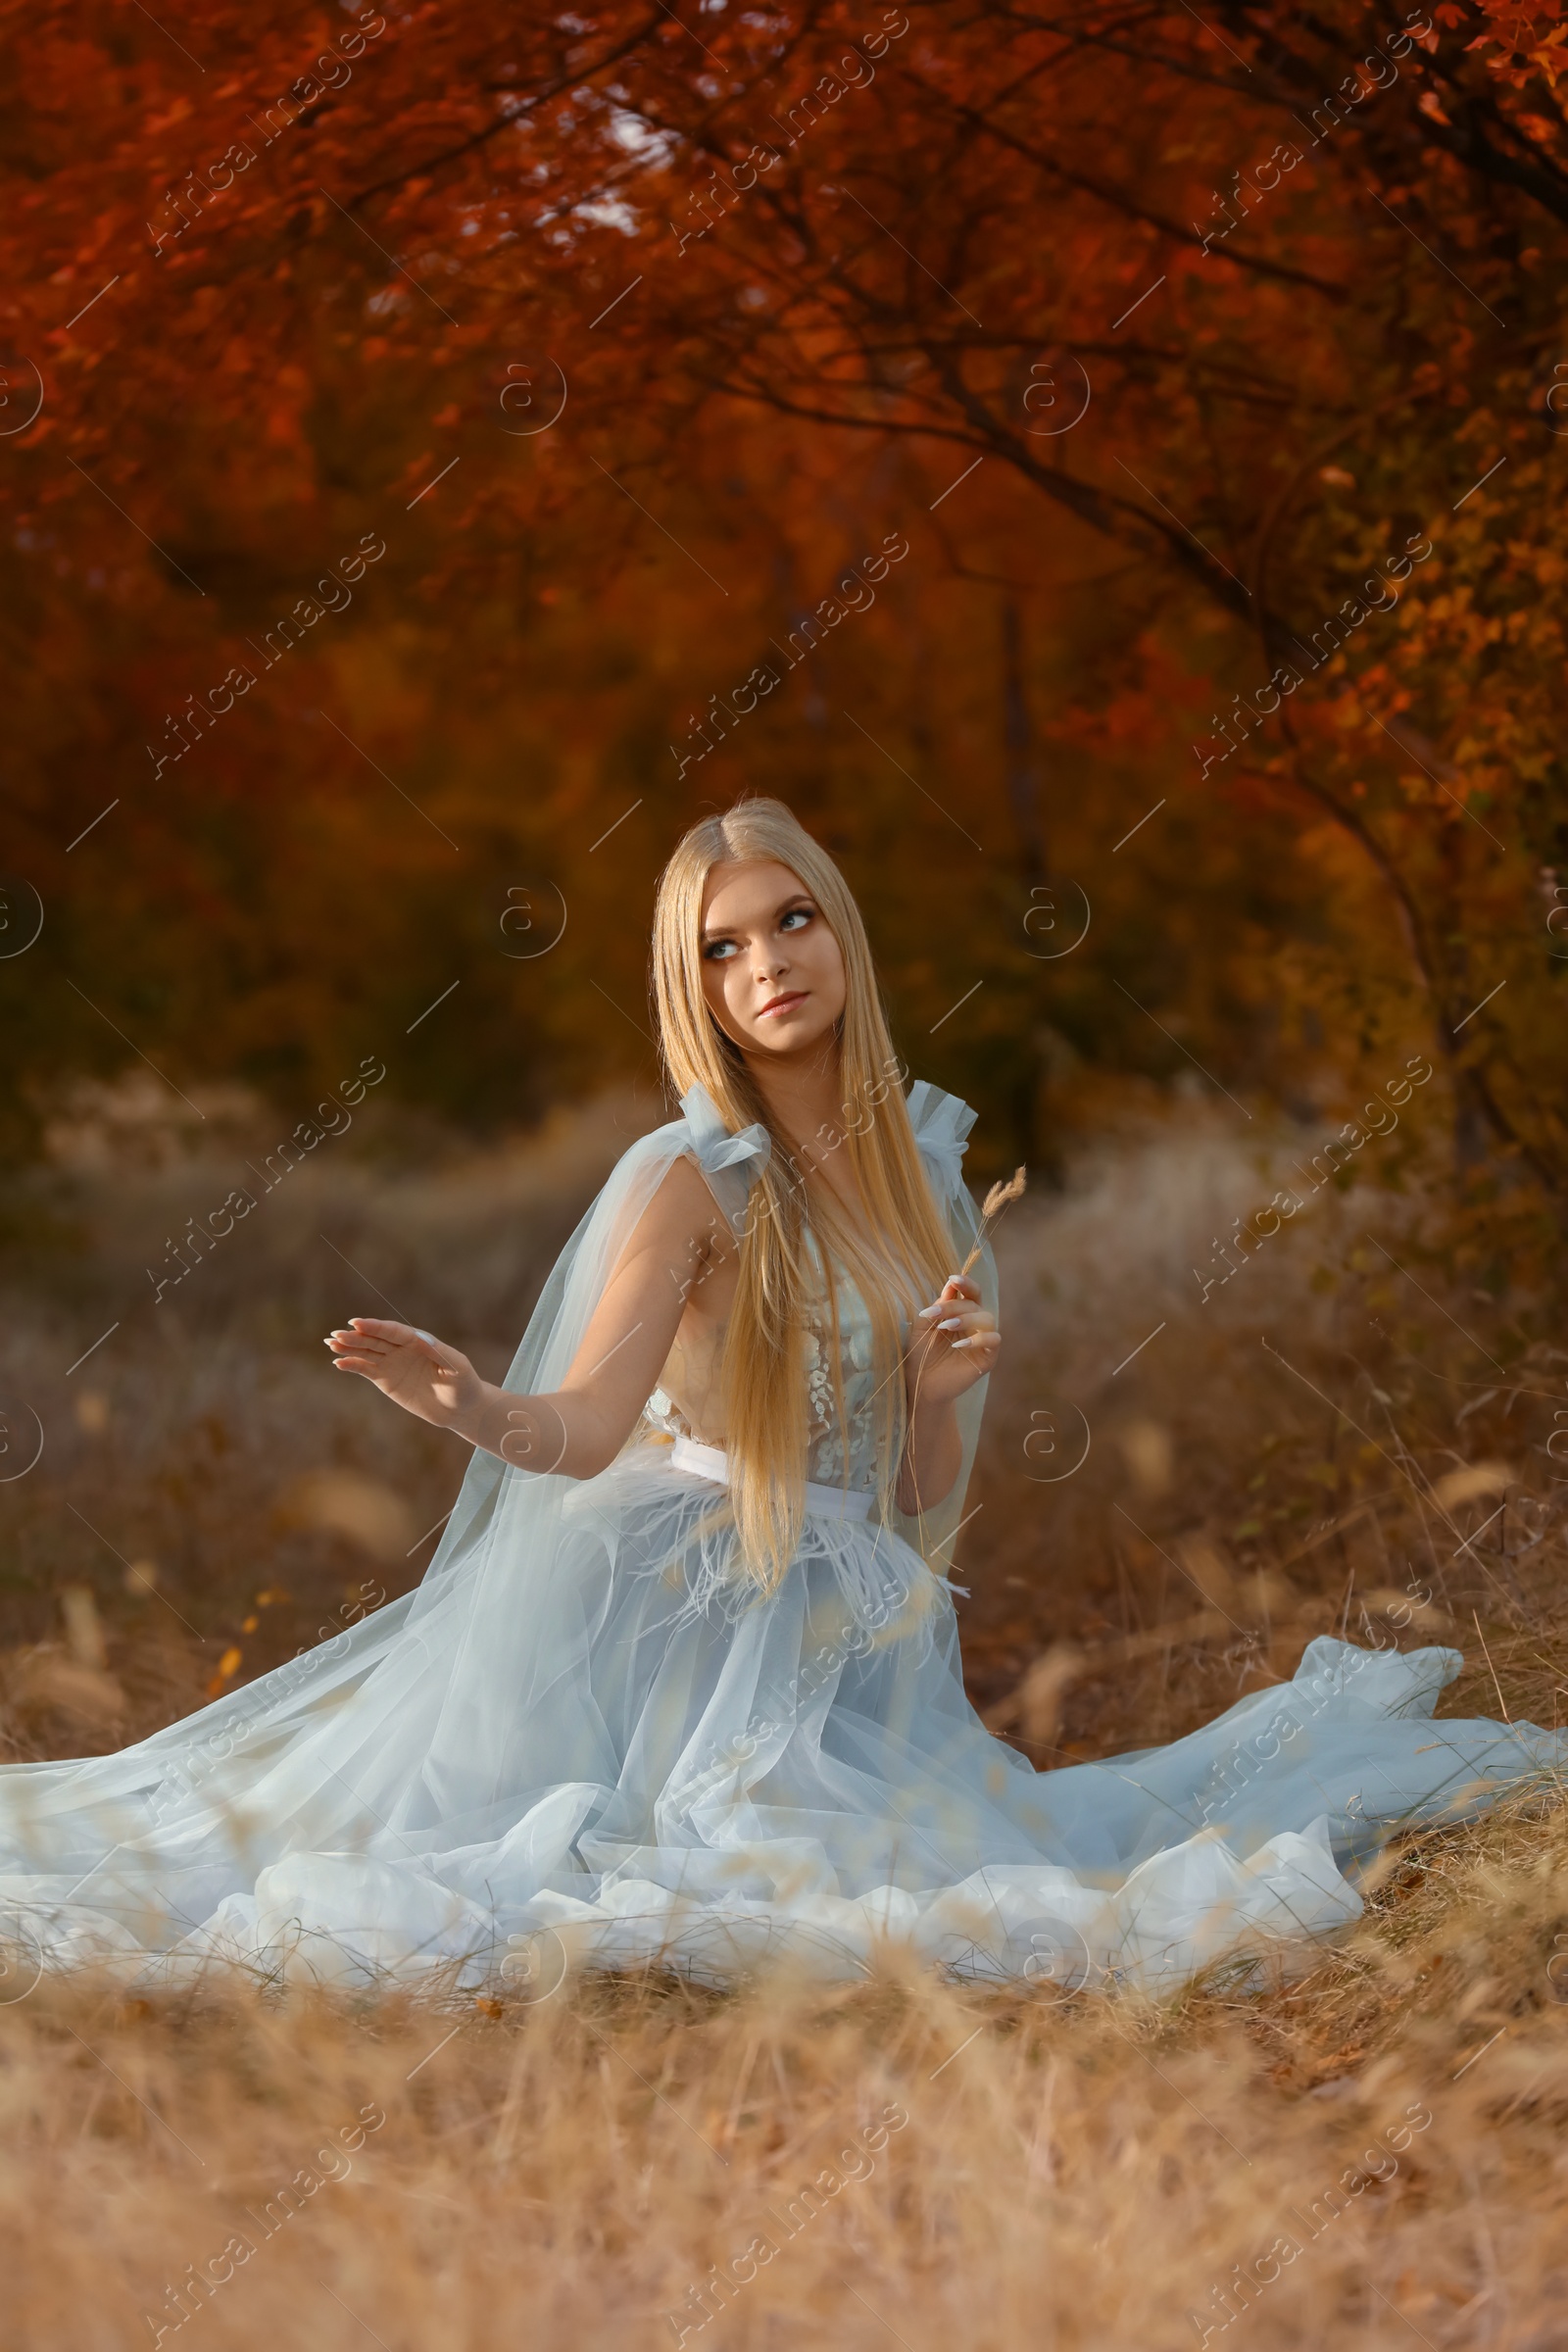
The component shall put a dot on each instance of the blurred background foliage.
(807, 279)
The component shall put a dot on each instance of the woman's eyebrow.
(802, 898)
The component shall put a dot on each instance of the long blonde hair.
(898, 1264)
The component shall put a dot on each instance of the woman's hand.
(957, 1345)
(425, 1376)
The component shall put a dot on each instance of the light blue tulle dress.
(583, 1740)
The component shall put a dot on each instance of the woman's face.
(772, 972)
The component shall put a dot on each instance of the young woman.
(682, 1681)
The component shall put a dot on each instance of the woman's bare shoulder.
(682, 1210)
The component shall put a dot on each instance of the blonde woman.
(771, 1022)
(681, 1685)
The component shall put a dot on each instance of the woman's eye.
(718, 950)
(795, 917)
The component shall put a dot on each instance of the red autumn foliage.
(613, 346)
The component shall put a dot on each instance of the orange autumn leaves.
(317, 339)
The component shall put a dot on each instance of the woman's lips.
(783, 1003)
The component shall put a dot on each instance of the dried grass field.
(1342, 1437)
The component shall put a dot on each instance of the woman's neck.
(801, 1093)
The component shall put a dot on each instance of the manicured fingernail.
(953, 1323)
(927, 1312)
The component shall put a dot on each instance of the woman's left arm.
(958, 1344)
(578, 1428)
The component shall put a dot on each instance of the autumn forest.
(1100, 467)
(1102, 464)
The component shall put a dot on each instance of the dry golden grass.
(990, 2168)
(1079, 2173)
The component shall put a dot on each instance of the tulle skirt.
(661, 1764)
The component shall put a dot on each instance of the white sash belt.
(825, 1503)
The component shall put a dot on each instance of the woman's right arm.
(579, 1427)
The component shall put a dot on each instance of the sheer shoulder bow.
(942, 1125)
(731, 1163)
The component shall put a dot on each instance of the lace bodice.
(841, 1449)
(689, 1399)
